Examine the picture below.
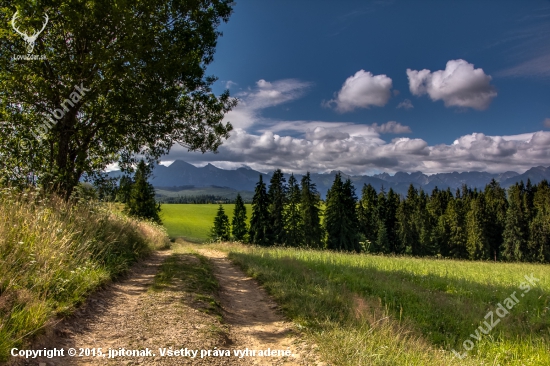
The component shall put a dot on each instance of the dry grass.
(54, 253)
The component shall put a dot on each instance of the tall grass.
(376, 310)
(54, 253)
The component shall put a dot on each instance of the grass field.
(375, 310)
(194, 221)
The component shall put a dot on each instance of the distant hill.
(182, 177)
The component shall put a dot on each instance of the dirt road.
(128, 315)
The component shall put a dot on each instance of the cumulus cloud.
(406, 104)
(323, 150)
(355, 148)
(459, 85)
(362, 90)
(546, 122)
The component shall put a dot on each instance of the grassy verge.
(374, 310)
(53, 254)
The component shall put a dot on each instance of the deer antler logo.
(29, 39)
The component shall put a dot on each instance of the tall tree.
(119, 80)
(277, 200)
(221, 230)
(310, 211)
(238, 224)
(516, 227)
(260, 227)
(141, 202)
(407, 231)
(367, 214)
(294, 226)
(340, 216)
(477, 224)
(497, 204)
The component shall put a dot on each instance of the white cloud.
(265, 94)
(546, 122)
(323, 150)
(355, 148)
(362, 90)
(229, 84)
(459, 85)
(391, 127)
(406, 104)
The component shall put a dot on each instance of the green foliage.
(221, 231)
(141, 203)
(260, 227)
(310, 207)
(294, 225)
(142, 68)
(277, 194)
(341, 222)
(238, 224)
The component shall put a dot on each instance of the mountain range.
(182, 174)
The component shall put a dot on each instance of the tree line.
(489, 224)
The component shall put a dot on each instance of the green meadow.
(193, 221)
(377, 310)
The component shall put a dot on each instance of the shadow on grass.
(445, 310)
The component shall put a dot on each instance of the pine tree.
(455, 224)
(477, 242)
(516, 227)
(221, 230)
(141, 202)
(239, 227)
(381, 245)
(310, 211)
(260, 227)
(293, 219)
(367, 214)
(407, 232)
(539, 227)
(392, 205)
(340, 217)
(277, 200)
(497, 205)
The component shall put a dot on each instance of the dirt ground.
(127, 314)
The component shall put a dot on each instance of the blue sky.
(372, 86)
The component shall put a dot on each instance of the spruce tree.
(221, 230)
(381, 245)
(539, 227)
(516, 227)
(310, 211)
(238, 224)
(294, 226)
(497, 205)
(141, 202)
(367, 214)
(477, 241)
(407, 232)
(392, 204)
(260, 227)
(277, 200)
(341, 222)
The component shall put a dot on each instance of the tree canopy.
(141, 67)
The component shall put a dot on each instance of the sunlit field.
(194, 221)
(375, 310)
